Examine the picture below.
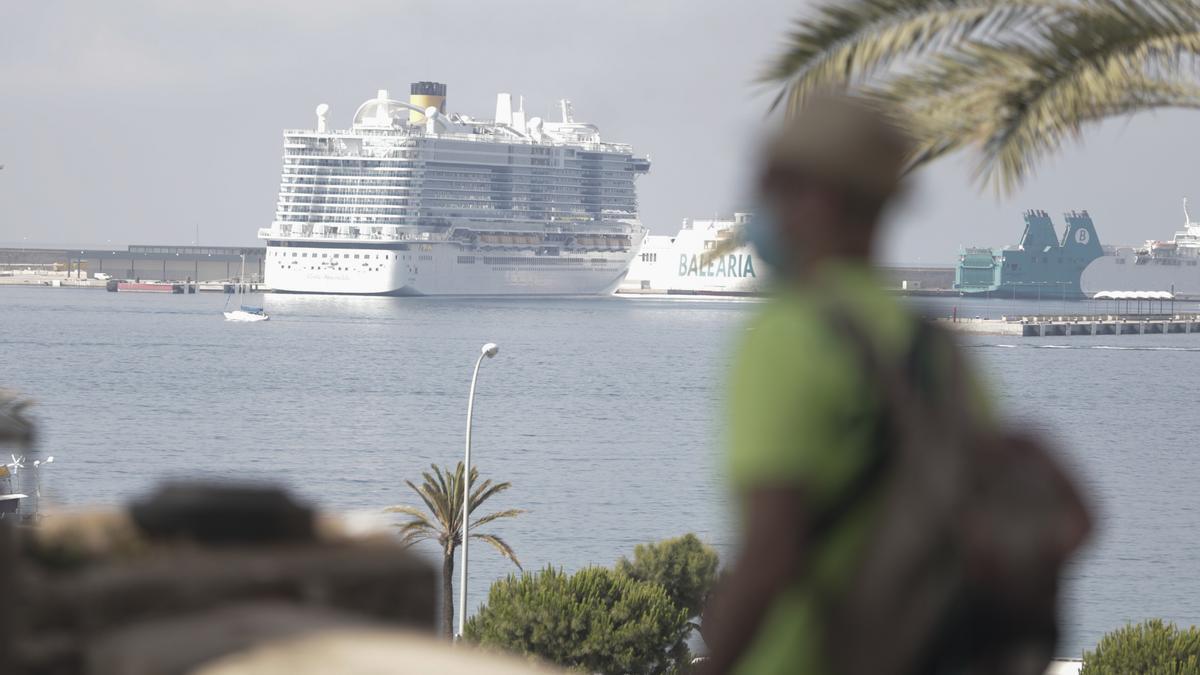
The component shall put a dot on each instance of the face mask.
(762, 233)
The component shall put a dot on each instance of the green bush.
(684, 566)
(1150, 648)
(596, 621)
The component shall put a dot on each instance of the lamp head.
(491, 349)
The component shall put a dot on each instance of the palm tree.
(441, 521)
(1010, 79)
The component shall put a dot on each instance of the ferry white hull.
(440, 269)
(678, 265)
(1122, 272)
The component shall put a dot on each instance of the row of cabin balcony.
(444, 202)
(442, 191)
(434, 169)
(515, 188)
(293, 198)
(586, 147)
(418, 134)
(382, 191)
(474, 207)
(529, 218)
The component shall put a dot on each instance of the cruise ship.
(684, 264)
(412, 200)
(1170, 266)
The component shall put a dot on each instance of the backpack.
(959, 571)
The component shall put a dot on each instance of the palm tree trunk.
(448, 593)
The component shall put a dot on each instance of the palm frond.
(411, 533)
(847, 43)
(723, 247)
(1018, 101)
(508, 513)
(413, 511)
(441, 491)
(427, 497)
(501, 546)
(486, 492)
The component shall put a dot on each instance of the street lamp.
(489, 350)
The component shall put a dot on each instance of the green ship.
(1041, 266)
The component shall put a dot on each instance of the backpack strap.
(913, 374)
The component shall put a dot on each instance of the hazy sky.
(132, 121)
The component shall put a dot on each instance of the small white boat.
(247, 313)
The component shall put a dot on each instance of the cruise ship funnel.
(426, 95)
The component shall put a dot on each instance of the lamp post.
(489, 350)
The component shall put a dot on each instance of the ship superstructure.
(1172, 266)
(683, 264)
(412, 200)
(1041, 266)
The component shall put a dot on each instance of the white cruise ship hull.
(1121, 272)
(439, 269)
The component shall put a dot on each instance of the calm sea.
(603, 413)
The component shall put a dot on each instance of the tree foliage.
(441, 491)
(595, 621)
(1012, 80)
(684, 566)
(1149, 648)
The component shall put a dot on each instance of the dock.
(1067, 325)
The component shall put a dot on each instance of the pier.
(1067, 325)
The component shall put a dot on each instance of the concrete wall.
(924, 278)
(163, 263)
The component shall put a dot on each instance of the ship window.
(294, 254)
(356, 256)
(324, 255)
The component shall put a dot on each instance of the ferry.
(1042, 265)
(685, 264)
(1157, 266)
(413, 200)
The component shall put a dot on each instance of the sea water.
(604, 414)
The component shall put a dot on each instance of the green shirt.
(803, 416)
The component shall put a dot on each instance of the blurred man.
(811, 442)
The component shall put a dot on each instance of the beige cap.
(844, 139)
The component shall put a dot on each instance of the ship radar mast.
(1187, 217)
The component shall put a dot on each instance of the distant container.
(102, 276)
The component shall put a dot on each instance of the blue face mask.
(762, 232)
